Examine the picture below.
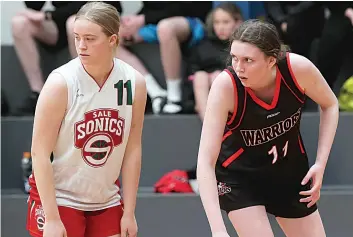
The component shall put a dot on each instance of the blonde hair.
(102, 14)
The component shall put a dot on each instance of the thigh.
(47, 32)
(200, 79)
(178, 26)
(104, 223)
(309, 226)
(251, 221)
(73, 220)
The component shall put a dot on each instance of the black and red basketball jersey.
(260, 139)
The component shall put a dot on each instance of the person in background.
(206, 61)
(208, 58)
(298, 23)
(336, 40)
(172, 25)
(50, 29)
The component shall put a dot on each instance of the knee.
(20, 26)
(165, 30)
(70, 25)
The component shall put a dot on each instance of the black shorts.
(279, 200)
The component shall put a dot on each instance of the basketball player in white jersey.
(90, 114)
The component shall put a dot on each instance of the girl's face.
(224, 24)
(250, 63)
(92, 45)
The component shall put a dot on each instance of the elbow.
(333, 106)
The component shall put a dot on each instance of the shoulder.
(73, 63)
(224, 81)
(299, 63)
(302, 68)
(56, 81)
(224, 90)
(69, 69)
(53, 96)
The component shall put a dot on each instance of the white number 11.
(275, 153)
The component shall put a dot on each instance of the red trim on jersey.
(100, 87)
(275, 97)
(301, 145)
(235, 97)
(242, 115)
(300, 100)
(227, 162)
(292, 74)
(226, 135)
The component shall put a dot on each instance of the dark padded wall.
(171, 142)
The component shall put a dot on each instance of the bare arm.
(316, 87)
(220, 102)
(49, 114)
(132, 160)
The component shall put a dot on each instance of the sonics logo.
(97, 134)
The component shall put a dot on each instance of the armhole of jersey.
(289, 80)
(235, 91)
(69, 92)
(292, 74)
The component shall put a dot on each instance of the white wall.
(11, 8)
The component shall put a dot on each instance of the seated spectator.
(49, 28)
(208, 58)
(336, 40)
(170, 24)
(299, 23)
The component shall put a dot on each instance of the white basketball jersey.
(93, 136)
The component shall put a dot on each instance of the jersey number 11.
(274, 152)
(120, 86)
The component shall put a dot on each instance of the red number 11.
(274, 152)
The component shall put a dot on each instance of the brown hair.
(263, 35)
(102, 14)
(232, 9)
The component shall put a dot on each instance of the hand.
(349, 13)
(284, 27)
(35, 16)
(220, 234)
(54, 228)
(315, 173)
(128, 226)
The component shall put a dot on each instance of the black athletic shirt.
(261, 141)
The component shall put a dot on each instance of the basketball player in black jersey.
(251, 158)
